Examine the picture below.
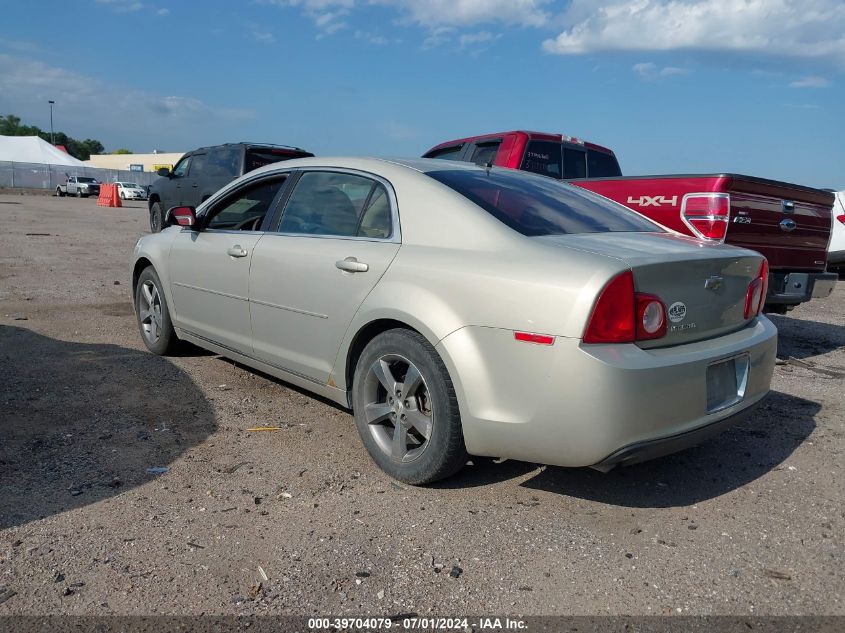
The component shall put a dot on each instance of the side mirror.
(164, 171)
(183, 216)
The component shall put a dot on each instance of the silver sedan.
(461, 310)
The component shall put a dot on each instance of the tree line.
(10, 125)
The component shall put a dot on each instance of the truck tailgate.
(790, 223)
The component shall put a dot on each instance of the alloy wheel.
(149, 311)
(398, 408)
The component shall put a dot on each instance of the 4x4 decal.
(652, 201)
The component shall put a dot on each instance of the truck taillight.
(755, 296)
(621, 315)
(841, 218)
(707, 214)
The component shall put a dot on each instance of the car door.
(71, 185)
(195, 187)
(209, 267)
(335, 238)
(171, 188)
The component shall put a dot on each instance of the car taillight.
(707, 214)
(841, 218)
(621, 315)
(755, 296)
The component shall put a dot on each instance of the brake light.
(707, 214)
(621, 315)
(841, 218)
(755, 296)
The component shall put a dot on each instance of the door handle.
(352, 265)
(237, 251)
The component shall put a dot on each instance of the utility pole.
(52, 140)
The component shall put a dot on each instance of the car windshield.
(535, 205)
(82, 179)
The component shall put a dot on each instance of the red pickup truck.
(789, 224)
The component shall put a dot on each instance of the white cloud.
(471, 39)
(117, 115)
(649, 70)
(131, 6)
(432, 13)
(810, 82)
(790, 28)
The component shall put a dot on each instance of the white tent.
(32, 149)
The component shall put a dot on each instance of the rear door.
(334, 240)
(789, 223)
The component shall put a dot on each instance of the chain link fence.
(43, 176)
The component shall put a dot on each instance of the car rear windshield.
(533, 205)
(260, 156)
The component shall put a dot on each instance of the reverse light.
(651, 317)
(531, 337)
(755, 296)
(621, 315)
(707, 214)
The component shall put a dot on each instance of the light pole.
(52, 140)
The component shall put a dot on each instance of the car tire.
(122, 197)
(59, 192)
(156, 217)
(78, 193)
(153, 315)
(429, 443)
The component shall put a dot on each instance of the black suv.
(200, 173)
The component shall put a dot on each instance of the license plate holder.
(726, 382)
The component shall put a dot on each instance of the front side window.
(337, 204)
(181, 169)
(533, 206)
(244, 210)
(85, 179)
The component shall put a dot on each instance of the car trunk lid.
(703, 286)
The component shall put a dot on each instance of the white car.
(836, 249)
(131, 191)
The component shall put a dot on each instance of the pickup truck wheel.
(153, 315)
(79, 193)
(406, 410)
(59, 192)
(156, 217)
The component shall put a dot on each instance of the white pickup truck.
(79, 186)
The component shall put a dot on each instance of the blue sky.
(750, 86)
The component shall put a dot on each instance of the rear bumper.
(571, 404)
(794, 288)
(651, 449)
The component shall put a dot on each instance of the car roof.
(365, 163)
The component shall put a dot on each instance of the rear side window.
(542, 157)
(339, 204)
(535, 206)
(447, 153)
(602, 165)
(485, 153)
(259, 156)
(224, 162)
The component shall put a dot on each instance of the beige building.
(150, 162)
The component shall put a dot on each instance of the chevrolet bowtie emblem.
(713, 282)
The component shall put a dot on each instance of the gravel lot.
(300, 521)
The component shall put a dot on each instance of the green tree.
(123, 150)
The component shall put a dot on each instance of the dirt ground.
(300, 521)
